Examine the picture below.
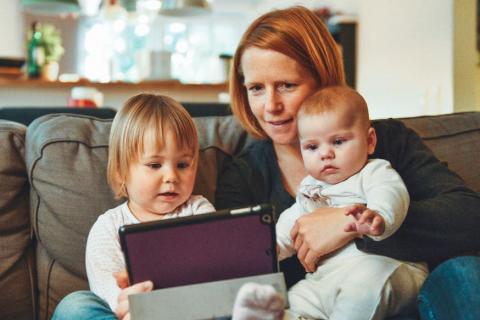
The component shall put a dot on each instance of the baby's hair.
(339, 99)
(142, 115)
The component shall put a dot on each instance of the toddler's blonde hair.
(146, 114)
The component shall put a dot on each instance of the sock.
(258, 301)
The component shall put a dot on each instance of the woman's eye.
(287, 86)
(254, 89)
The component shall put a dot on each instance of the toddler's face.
(160, 180)
(332, 148)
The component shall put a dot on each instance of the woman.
(283, 57)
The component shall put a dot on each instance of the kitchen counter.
(28, 92)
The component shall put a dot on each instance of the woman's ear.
(371, 140)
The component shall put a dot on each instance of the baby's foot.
(258, 301)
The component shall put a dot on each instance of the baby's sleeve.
(386, 194)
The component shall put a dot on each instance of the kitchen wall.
(11, 26)
(25, 94)
(418, 57)
(466, 59)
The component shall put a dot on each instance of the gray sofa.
(53, 186)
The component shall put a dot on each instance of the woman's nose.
(272, 101)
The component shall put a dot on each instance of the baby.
(336, 139)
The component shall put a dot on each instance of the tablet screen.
(216, 246)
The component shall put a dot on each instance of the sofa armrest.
(16, 255)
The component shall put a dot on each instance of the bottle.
(85, 97)
(36, 53)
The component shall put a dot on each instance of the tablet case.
(226, 244)
(210, 300)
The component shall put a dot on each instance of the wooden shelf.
(153, 84)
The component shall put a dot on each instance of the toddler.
(336, 138)
(152, 162)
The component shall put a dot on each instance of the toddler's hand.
(122, 279)
(368, 222)
(122, 310)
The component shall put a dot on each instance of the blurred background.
(406, 57)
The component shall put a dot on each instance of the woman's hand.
(122, 310)
(319, 233)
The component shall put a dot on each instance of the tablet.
(225, 244)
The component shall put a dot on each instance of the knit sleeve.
(103, 257)
(201, 205)
(233, 186)
(444, 214)
(240, 184)
(386, 194)
(252, 178)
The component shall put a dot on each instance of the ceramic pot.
(50, 71)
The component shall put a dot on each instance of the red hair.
(296, 32)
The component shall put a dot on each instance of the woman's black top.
(443, 219)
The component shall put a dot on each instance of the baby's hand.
(368, 222)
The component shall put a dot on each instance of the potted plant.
(49, 49)
(52, 42)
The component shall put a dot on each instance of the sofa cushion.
(66, 164)
(455, 139)
(54, 282)
(16, 256)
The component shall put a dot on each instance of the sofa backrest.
(455, 140)
(26, 115)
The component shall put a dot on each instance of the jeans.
(82, 305)
(86, 305)
(452, 291)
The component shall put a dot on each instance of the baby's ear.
(371, 140)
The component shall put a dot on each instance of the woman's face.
(276, 87)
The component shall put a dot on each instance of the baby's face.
(333, 148)
(161, 179)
